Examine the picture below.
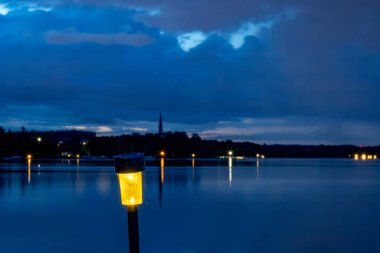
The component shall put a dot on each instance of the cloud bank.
(117, 64)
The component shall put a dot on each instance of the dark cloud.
(73, 37)
(98, 64)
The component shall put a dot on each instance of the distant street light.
(39, 139)
(230, 153)
(162, 153)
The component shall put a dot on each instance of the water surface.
(284, 205)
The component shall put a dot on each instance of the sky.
(286, 72)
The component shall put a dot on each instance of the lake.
(282, 205)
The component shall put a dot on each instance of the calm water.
(285, 205)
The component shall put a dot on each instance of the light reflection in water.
(161, 180)
(230, 170)
(79, 183)
(193, 166)
(103, 183)
(29, 170)
(257, 168)
(204, 203)
(162, 163)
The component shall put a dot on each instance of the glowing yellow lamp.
(29, 156)
(162, 153)
(230, 153)
(356, 156)
(364, 157)
(374, 157)
(369, 157)
(78, 156)
(192, 155)
(257, 155)
(130, 188)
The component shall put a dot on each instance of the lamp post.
(129, 169)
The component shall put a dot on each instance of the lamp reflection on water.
(230, 170)
(161, 179)
(29, 168)
(129, 169)
(193, 165)
(162, 166)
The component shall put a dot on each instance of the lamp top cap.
(129, 163)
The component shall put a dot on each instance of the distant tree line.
(55, 144)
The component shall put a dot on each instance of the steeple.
(160, 128)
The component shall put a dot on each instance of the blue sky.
(263, 71)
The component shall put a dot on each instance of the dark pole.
(133, 230)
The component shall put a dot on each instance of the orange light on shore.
(356, 156)
(193, 155)
(364, 157)
(130, 188)
(162, 153)
(29, 156)
(374, 157)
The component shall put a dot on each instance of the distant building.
(160, 127)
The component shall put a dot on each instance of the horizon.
(190, 135)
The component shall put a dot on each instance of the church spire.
(160, 128)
